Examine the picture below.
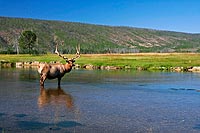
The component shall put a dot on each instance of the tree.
(27, 42)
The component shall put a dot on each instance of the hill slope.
(95, 38)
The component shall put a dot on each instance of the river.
(100, 101)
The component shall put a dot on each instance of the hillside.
(95, 38)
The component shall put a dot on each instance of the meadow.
(132, 61)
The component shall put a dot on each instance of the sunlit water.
(100, 101)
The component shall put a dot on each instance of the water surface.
(100, 101)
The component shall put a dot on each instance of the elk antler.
(56, 51)
(77, 52)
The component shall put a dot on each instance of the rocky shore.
(34, 64)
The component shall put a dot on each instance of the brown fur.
(52, 71)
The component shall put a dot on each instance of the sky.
(170, 15)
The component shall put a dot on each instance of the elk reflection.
(54, 97)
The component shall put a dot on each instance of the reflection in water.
(54, 97)
(101, 101)
(58, 100)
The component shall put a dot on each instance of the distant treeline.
(92, 38)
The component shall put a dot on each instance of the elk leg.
(59, 82)
(42, 89)
(42, 79)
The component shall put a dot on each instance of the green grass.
(144, 60)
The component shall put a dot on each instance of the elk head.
(71, 60)
(52, 71)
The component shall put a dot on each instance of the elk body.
(52, 71)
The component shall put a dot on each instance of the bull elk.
(52, 71)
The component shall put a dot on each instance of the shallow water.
(100, 101)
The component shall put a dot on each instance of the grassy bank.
(143, 60)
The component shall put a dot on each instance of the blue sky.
(172, 15)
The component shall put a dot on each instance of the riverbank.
(138, 61)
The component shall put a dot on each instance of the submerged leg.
(42, 89)
(42, 79)
(59, 82)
